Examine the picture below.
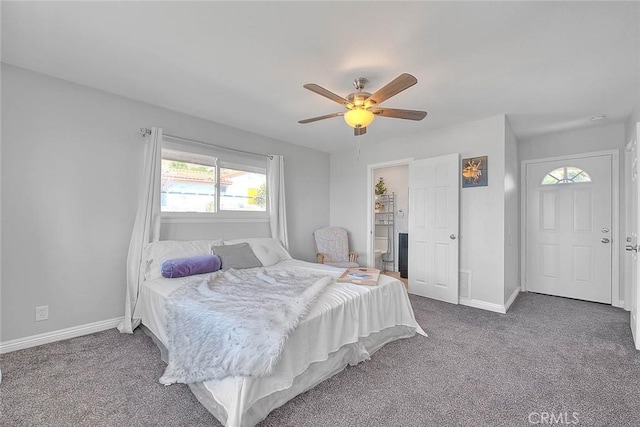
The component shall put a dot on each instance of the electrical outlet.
(42, 313)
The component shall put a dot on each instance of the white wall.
(481, 208)
(511, 214)
(574, 142)
(180, 230)
(631, 125)
(70, 168)
(0, 206)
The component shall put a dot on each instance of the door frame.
(371, 257)
(615, 217)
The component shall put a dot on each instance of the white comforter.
(236, 322)
(343, 315)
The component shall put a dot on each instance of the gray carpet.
(571, 360)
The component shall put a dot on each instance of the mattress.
(345, 326)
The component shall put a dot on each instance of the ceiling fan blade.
(400, 114)
(359, 131)
(315, 119)
(326, 93)
(400, 83)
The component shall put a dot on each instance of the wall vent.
(464, 284)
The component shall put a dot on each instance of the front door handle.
(631, 248)
(605, 240)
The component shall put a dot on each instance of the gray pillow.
(237, 256)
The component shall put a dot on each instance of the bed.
(345, 325)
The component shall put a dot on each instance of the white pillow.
(268, 250)
(158, 252)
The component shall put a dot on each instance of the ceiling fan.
(362, 106)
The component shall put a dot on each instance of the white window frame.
(565, 180)
(245, 162)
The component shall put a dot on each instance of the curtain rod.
(147, 131)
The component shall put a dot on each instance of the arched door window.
(566, 175)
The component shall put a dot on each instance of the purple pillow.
(182, 267)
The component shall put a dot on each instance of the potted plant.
(380, 189)
(380, 186)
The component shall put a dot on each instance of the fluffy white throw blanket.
(236, 322)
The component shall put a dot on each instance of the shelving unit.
(384, 220)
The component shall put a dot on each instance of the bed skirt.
(317, 372)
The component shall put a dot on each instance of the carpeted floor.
(548, 361)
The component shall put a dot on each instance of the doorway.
(388, 213)
(570, 209)
(432, 221)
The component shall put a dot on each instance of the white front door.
(433, 227)
(568, 226)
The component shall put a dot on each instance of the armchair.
(332, 247)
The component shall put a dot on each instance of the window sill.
(228, 217)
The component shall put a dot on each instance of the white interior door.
(568, 226)
(433, 227)
(632, 260)
(631, 232)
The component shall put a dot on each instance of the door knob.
(631, 248)
(605, 240)
(452, 236)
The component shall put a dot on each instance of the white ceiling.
(548, 66)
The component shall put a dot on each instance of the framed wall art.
(474, 172)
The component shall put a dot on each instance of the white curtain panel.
(146, 228)
(277, 205)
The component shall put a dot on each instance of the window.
(201, 180)
(242, 189)
(188, 182)
(565, 175)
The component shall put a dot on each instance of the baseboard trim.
(497, 308)
(511, 299)
(59, 335)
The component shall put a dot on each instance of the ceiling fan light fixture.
(358, 117)
(359, 105)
